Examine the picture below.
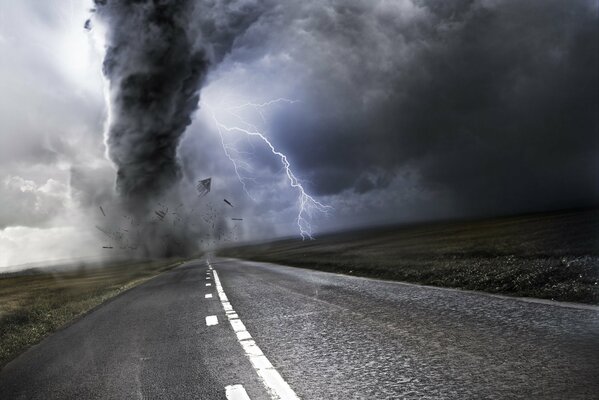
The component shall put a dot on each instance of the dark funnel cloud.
(158, 53)
(157, 57)
(155, 73)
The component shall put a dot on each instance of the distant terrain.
(36, 302)
(546, 255)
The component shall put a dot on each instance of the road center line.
(211, 320)
(208, 296)
(277, 387)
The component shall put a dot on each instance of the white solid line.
(236, 392)
(211, 320)
(243, 335)
(272, 380)
(208, 296)
(237, 325)
(277, 384)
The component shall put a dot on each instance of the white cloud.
(52, 112)
(29, 204)
(19, 245)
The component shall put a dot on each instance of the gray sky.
(402, 111)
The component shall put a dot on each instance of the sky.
(383, 111)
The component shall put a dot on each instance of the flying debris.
(237, 219)
(103, 231)
(228, 202)
(161, 214)
(107, 247)
(203, 186)
(103, 213)
(88, 25)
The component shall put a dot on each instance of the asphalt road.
(327, 336)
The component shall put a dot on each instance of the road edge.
(555, 303)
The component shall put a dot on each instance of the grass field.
(551, 255)
(33, 304)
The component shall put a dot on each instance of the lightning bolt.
(307, 204)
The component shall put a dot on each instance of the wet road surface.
(281, 332)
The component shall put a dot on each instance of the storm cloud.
(406, 110)
(493, 103)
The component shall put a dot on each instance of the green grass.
(549, 255)
(34, 304)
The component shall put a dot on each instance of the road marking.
(207, 277)
(272, 380)
(236, 392)
(209, 284)
(211, 320)
(208, 296)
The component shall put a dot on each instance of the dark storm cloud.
(495, 103)
(503, 109)
(488, 106)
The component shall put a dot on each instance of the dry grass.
(550, 255)
(34, 304)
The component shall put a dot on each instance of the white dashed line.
(211, 320)
(209, 284)
(236, 392)
(274, 382)
(208, 296)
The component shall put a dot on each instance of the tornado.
(155, 71)
(157, 56)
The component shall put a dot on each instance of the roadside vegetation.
(35, 303)
(550, 255)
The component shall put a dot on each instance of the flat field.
(548, 255)
(35, 303)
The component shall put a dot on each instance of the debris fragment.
(103, 231)
(107, 247)
(204, 186)
(101, 209)
(161, 214)
(237, 219)
(228, 202)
